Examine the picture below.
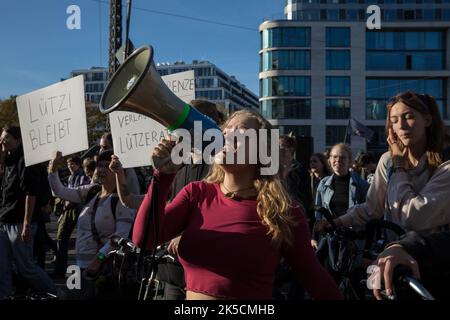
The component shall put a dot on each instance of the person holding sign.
(174, 281)
(236, 225)
(21, 188)
(68, 219)
(106, 143)
(101, 217)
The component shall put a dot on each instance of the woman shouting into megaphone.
(235, 226)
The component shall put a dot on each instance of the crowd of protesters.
(233, 232)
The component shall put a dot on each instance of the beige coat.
(416, 200)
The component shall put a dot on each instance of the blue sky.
(37, 49)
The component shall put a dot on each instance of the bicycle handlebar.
(328, 216)
(417, 287)
(403, 276)
(342, 231)
(124, 245)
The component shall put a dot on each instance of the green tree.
(8, 112)
(96, 123)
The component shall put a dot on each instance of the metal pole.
(346, 132)
(127, 29)
(115, 34)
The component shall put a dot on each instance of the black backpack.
(94, 191)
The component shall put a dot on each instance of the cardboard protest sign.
(135, 135)
(53, 119)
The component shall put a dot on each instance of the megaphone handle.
(158, 163)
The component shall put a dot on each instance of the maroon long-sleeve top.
(225, 249)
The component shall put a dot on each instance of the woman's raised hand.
(56, 162)
(161, 157)
(115, 165)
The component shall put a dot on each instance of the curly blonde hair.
(273, 203)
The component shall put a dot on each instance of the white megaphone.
(137, 87)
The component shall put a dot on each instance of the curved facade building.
(322, 65)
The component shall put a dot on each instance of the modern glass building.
(211, 83)
(321, 65)
(95, 80)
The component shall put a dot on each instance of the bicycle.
(338, 252)
(342, 242)
(148, 287)
(407, 287)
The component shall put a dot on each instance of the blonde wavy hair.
(273, 202)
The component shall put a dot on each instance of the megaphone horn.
(137, 87)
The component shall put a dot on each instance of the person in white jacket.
(411, 186)
(92, 241)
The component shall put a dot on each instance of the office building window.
(332, 15)
(390, 15)
(428, 14)
(401, 50)
(337, 86)
(297, 131)
(378, 92)
(286, 60)
(409, 14)
(338, 37)
(163, 72)
(376, 109)
(438, 14)
(407, 60)
(338, 108)
(338, 60)
(286, 37)
(286, 108)
(308, 15)
(205, 83)
(418, 14)
(401, 40)
(336, 134)
(361, 14)
(377, 145)
(97, 76)
(352, 15)
(200, 72)
(286, 86)
(209, 94)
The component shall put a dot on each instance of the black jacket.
(432, 253)
(17, 182)
(187, 174)
(297, 185)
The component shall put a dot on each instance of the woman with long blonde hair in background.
(235, 225)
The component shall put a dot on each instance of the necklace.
(232, 194)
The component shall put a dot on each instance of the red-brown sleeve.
(171, 219)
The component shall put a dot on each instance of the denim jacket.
(357, 192)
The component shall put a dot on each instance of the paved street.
(49, 264)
